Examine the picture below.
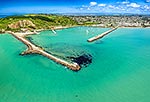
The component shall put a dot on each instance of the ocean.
(119, 69)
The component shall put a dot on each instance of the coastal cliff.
(21, 24)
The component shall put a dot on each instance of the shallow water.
(119, 71)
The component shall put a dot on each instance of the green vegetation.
(41, 21)
(32, 22)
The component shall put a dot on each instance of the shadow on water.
(82, 60)
(99, 42)
(71, 53)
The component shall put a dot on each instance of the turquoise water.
(119, 71)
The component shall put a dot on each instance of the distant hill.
(34, 21)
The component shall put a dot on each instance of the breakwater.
(101, 35)
(35, 49)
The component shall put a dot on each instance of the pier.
(35, 49)
(101, 35)
(53, 31)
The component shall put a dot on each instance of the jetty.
(53, 31)
(37, 50)
(101, 35)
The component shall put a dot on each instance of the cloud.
(111, 6)
(88, 8)
(125, 2)
(146, 7)
(147, 1)
(81, 8)
(119, 7)
(134, 5)
(102, 5)
(93, 3)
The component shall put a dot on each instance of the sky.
(75, 6)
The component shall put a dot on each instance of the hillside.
(34, 21)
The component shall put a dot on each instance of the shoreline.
(37, 31)
(61, 27)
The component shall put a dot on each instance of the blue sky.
(75, 6)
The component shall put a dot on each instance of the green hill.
(34, 21)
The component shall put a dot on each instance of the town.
(112, 21)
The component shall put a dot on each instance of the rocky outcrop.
(2, 30)
(21, 24)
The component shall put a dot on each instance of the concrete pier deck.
(34, 49)
(101, 35)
